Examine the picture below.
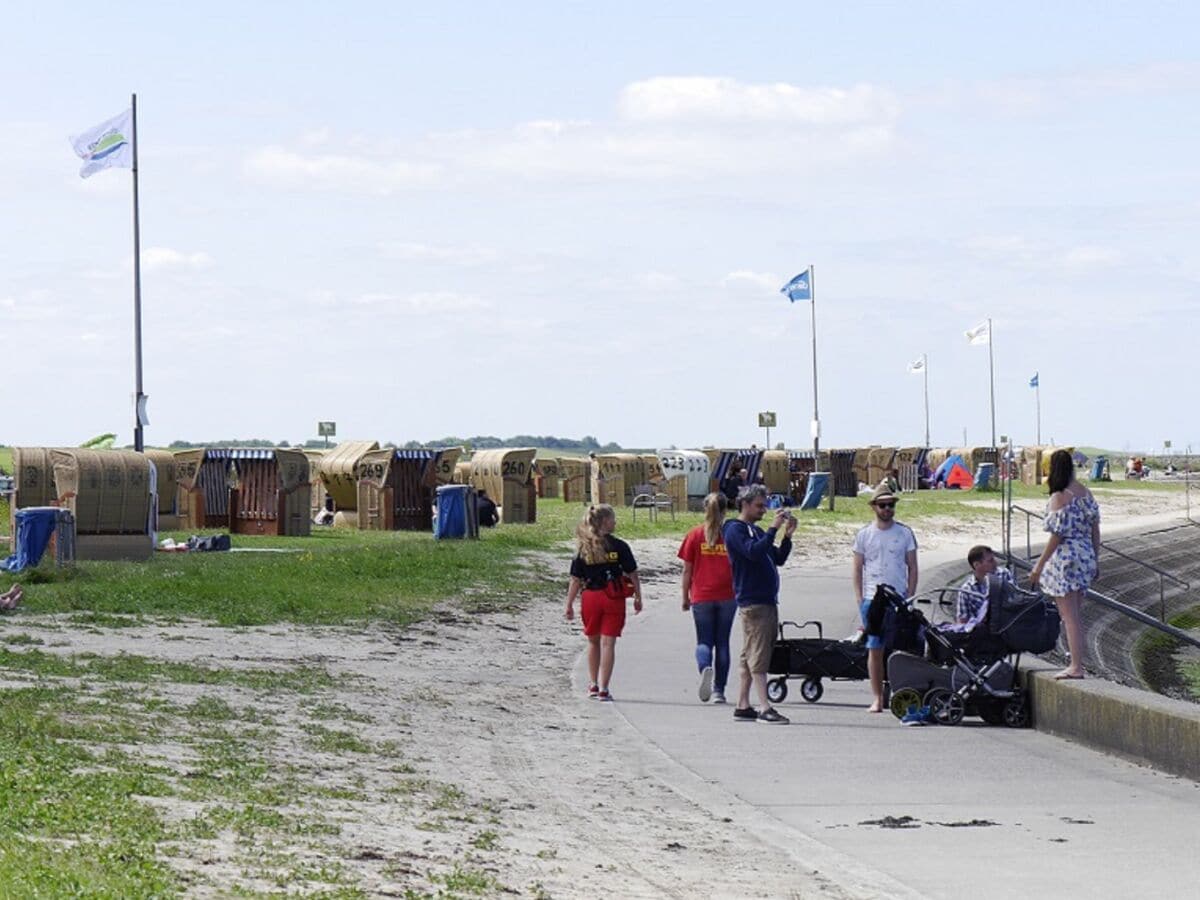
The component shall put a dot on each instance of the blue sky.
(574, 218)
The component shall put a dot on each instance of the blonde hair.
(589, 540)
(715, 506)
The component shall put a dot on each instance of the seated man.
(971, 604)
(488, 516)
(11, 598)
(732, 483)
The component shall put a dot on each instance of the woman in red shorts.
(598, 569)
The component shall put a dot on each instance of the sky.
(421, 220)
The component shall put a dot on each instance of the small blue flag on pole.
(1033, 382)
(798, 288)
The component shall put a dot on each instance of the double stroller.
(972, 674)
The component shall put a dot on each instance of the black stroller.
(974, 673)
(813, 659)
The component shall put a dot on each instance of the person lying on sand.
(11, 598)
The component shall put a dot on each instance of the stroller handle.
(801, 625)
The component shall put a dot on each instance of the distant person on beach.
(11, 598)
(891, 481)
(755, 560)
(708, 592)
(489, 516)
(885, 552)
(732, 483)
(605, 571)
(1068, 565)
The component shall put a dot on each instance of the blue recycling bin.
(457, 512)
(35, 525)
(984, 474)
(818, 484)
(1099, 465)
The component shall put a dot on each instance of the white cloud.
(423, 302)
(1018, 251)
(365, 173)
(33, 306)
(167, 258)
(411, 251)
(1091, 257)
(763, 281)
(1041, 94)
(658, 281)
(665, 128)
(724, 100)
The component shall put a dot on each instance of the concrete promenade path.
(986, 811)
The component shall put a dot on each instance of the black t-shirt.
(487, 512)
(596, 575)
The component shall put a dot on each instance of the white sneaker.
(718, 697)
(706, 680)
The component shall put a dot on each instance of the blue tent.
(953, 473)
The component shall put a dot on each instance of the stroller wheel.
(992, 714)
(811, 689)
(777, 690)
(1016, 713)
(903, 699)
(946, 707)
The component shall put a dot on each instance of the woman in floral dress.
(1068, 565)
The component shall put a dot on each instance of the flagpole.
(925, 370)
(1037, 393)
(992, 379)
(138, 443)
(816, 428)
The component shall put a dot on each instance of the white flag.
(916, 368)
(980, 334)
(107, 145)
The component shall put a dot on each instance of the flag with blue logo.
(1033, 382)
(799, 288)
(107, 145)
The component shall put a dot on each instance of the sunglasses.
(885, 505)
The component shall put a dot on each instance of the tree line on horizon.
(586, 444)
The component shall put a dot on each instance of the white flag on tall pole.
(917, 367)
(981, 334)
(107, 145)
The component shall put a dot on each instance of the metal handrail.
(1103, 546)
(1127, 610)
(1162, 575)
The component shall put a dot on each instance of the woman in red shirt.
(598, 572)
(708, 593)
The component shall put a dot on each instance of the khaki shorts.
(760, 626)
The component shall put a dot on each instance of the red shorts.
(602, 614)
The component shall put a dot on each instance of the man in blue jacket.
(755, 558)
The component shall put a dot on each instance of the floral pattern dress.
(1072, 566)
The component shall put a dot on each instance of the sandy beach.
(474, 754)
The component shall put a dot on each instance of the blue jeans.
(714, 622)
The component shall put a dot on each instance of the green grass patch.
(73, 825)
(340, 576)
(333, 740)
(141, 669)
(21, 639)
(1156, 662)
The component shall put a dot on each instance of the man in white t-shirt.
(885, 552)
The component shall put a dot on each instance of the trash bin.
(984, 474)
(1099, 465)
(36, 528)
(457, 512)
(818, 483)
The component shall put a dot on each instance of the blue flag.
(1033, 382)
(798, 288)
